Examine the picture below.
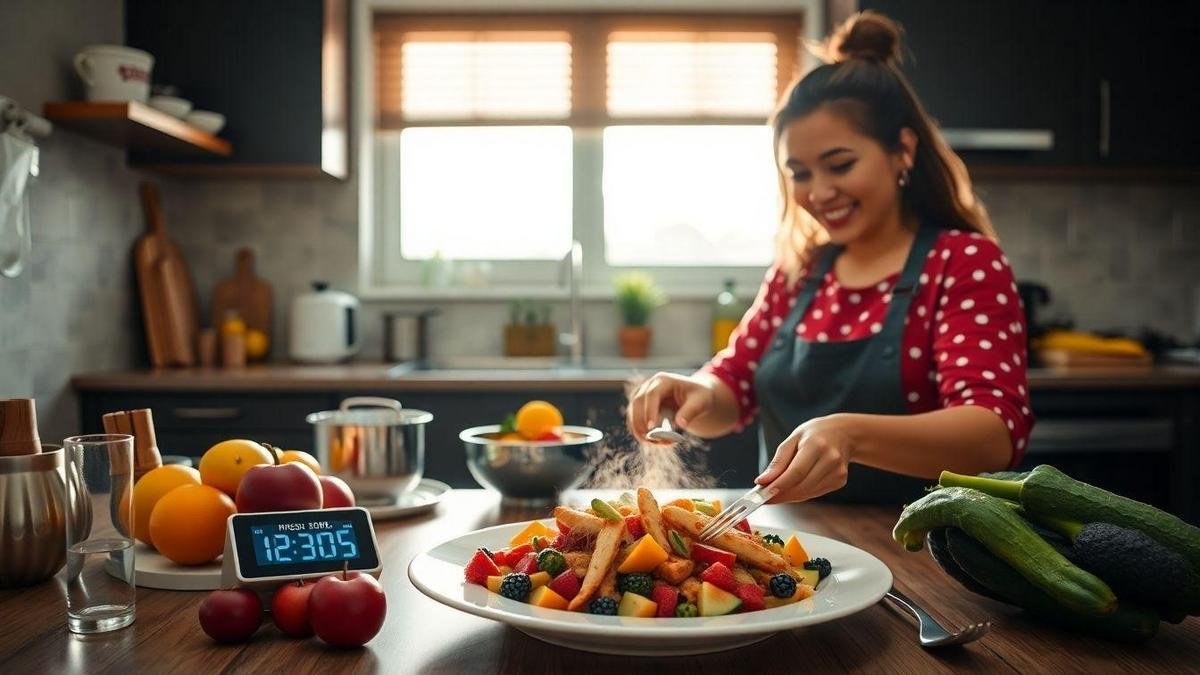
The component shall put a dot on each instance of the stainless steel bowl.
(530, 473)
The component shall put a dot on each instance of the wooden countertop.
(382, 377)
(421, 635)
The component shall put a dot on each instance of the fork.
(931, 632)
(734, 513)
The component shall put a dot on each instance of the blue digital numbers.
(305, 542)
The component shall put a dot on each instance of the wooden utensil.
(168, 297)
(244, 292)
(18, 428)
(139, 424)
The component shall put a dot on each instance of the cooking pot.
(374, 444)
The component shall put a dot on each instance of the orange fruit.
(257, 344)
(302, 457)
(188, 524)
(154, 486)
(536, 418)
(226, 462)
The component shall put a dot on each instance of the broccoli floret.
(550, 560)
(641, 584)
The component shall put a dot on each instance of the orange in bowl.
(537, 418)
(154, 486)
(224, 464)
(188, 524)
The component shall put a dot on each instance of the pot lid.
(370, 417)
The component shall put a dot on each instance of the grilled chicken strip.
(652, 518)
(748, 550)
(607, 544)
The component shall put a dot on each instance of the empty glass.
(100, 584)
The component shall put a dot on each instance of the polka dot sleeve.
(735, 365)
(979, 336)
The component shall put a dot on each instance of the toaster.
(324, 325)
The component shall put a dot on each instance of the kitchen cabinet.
(1110, 79)
(275, 68)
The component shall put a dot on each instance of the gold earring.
(903, 180)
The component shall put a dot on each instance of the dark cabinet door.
(274, 68)
(1144, 93)
(996, 65)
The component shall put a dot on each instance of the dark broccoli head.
(1138, 568)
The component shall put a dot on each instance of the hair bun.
(869, 36)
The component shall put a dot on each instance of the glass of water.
(99, 480)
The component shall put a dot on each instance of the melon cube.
(713, 601)
(544, 597)
(633, 604)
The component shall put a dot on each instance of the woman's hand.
(690, 397)
(812, 461)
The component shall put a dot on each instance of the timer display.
(279, 543)
(283, 545)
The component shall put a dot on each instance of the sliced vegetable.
(606, 511)
(678, 544)
(706, 508)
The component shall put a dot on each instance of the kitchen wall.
(1115, 255)
(72, 309)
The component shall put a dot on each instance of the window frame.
(385, 274)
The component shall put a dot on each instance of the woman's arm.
(966, 439)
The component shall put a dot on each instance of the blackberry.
(603, 605)
(550, 560)
(783, 586)
(772, 540)
(821, 565)
(639, 583)
(686, 610)
(516, 586)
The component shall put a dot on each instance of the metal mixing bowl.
(530, 473)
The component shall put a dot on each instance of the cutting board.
(1063, 358)
(245, 293)
(169, 306)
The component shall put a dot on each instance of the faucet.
(572, 268)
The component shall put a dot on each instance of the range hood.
(999, 139)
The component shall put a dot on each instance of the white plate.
(859, 580)
(424, 497)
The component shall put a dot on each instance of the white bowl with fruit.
(605, 590)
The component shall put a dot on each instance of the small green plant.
(637, 296)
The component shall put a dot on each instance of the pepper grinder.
(139, 424)
(18, 428)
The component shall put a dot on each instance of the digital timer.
(267, 549)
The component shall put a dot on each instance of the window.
(500, 139)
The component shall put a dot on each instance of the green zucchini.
(1006, 534)
(1046, 491)
(1126, 624)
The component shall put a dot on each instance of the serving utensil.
(665, 433)
(737, 511)
(931, 632)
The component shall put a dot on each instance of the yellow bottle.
(727, 314)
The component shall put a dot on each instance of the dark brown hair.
(862, 82)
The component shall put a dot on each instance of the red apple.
(289, 609)
(347, 609)
(279, 487)
(231, 615)
(336, 493)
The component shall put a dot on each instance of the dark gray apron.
(798, 380)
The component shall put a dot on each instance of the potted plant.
(637, 296)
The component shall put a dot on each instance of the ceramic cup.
(115, 73)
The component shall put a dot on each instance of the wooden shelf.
(136, 126)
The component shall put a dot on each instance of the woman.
(887, 340)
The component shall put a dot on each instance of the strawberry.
(565, 584)
(744, 526)
(549, 436)
(527, 564)
(562, 528)
(720, 576)
(752, 597)
(516, 553)
(667, 598)
(480, 568)
(634, 525)
(500, 557)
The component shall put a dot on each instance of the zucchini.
(1126, 624)
(1006, 534)
(1046, 491)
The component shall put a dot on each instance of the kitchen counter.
(385, 377)
(421, 635)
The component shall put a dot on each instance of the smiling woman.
(886, 342)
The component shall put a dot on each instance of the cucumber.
(1007, 535)
(936, 540)
(1126, 624)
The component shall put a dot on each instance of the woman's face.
(843, 178)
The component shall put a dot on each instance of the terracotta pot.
(635, 341)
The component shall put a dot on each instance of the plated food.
(634, 557)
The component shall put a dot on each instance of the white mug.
(115, 73)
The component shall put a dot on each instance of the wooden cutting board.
(1063, 358)
(169, 305)
(247, 294)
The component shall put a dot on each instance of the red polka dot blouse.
(964, 337)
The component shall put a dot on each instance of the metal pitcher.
(33, 512)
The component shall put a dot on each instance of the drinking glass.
(100, 584)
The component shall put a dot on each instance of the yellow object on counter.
(1088, 343)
